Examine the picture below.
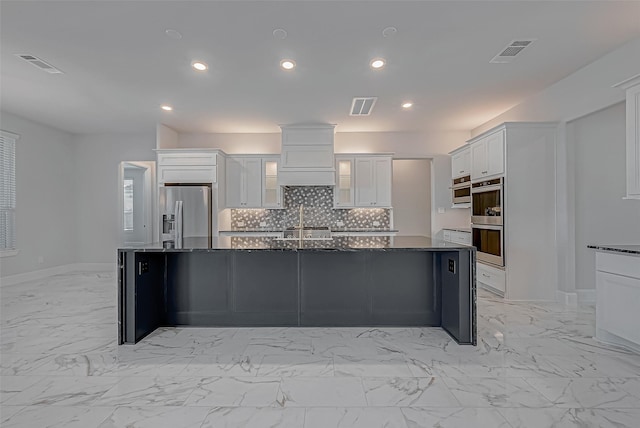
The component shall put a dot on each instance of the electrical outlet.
(240, 224)
(440, 210)
(452, 266)
(143, 267)
(340, 223)
(263, 224)
(376, 223)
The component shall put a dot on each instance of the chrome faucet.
(301, 226)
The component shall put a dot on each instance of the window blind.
(7, 191)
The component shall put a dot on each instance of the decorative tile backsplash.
(338, 242)
(318, 212)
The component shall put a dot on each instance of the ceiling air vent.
(362, 106)
(509, 53)
(37, 62)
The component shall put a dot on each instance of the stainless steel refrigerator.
(185, 212)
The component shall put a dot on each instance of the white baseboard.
(567, 299)
(57, 270)
(586, 296)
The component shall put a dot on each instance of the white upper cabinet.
(487, 156)
(373, 181)
(461, 162)
(244, 182)
(632, 86)
(344, 193)
(271, 191)
(187, 166)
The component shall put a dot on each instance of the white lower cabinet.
(457, 236)
(491, 278)
(618, 299)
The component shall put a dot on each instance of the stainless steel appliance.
(489, 242)
(487, 221)
(486, 202)
(185, 212)
(461, 190)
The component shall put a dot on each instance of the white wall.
(583, 92)
(45, 194)
(96, 172)
(601, 215)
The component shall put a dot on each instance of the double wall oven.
(487, 220)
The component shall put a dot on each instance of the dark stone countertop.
(397, 243)
(625, 249)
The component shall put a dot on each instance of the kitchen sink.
(308, 233)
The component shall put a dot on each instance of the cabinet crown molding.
(628, 83)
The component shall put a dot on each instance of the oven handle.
(485, 226)
(466, 185)
(486, 188)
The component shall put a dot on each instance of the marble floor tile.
(232, 392)
(155, 417)
(359, 347)
(495, 392)
(12, 385)
(59, 345)
(321, 392)
(354, 417)
(266, 346)
(249, 417)
(403, 392)
(58, 417)
(454, 418)
(222, 366)
(536, 365)
(379, 366)
(572, 418)
(148, 391)
(64, 391)
(296, 365)
(588, 392)
(7, 412)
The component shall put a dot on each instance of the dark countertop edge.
(458, 229)
(622, 249)
(208, 250)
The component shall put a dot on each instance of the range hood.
(307, 155)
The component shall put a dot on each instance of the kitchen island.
(400, 281)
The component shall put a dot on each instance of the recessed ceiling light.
(407, 105)
(288, 64)
(377, 63)
(280, 33)
(389, 32)
(166, 107)
(174, 34)
(200, 66)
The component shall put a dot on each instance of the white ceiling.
(119, 66)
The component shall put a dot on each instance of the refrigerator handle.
(178, 227)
